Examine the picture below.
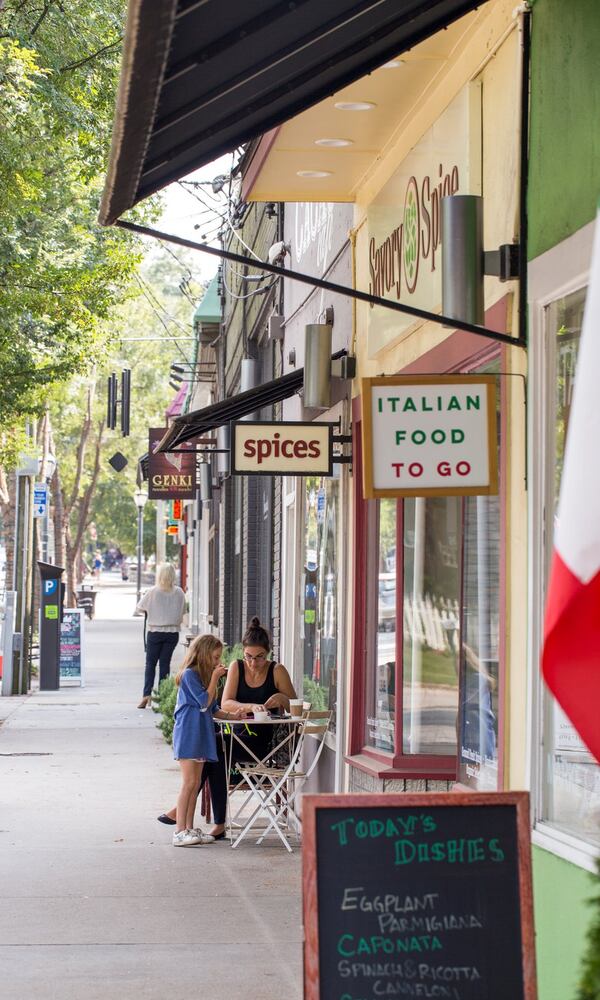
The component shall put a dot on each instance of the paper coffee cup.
(296, 706)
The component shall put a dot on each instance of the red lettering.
(264, 450)
(249, 448)
(463, 468)
(276, 437)
(415, 470)
(397, 466)
(287, 449)
(314, 449)
(300, 449)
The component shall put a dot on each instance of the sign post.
(418, 895)
(50, 617)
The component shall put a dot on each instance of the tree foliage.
(60, 273)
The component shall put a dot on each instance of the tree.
(60, 274)
(86, 488)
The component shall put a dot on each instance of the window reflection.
(381, 714)
(319, 592)
(478, 763)
(431, 623)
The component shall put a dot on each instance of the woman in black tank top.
(257, 683)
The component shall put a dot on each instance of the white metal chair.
(276, 788)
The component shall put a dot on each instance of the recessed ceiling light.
(354, 106)
(313, 173)
(333, 143)
(393, 64)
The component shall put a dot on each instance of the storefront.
(316, 520)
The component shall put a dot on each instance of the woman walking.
(164, 605)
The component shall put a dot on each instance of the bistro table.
(264, 782)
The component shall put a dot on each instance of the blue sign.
(50, 586)
(40, 499)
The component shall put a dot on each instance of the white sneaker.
(205, 838)
(186, 838)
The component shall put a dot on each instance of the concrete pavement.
(95, 902)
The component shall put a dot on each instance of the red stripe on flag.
(571, 655)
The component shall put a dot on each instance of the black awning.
(200, 422)
(201, 77)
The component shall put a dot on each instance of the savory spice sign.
(171, 475)
(429, 436)
(277, 449)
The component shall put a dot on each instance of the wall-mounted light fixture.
(317, 366)
(205, 481)
(464, 261)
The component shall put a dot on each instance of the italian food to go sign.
(429, 436)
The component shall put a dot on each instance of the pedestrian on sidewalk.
(164, 605)
(194, 741)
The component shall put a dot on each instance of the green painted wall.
(564, 174)
(560, 893)
(564, 188)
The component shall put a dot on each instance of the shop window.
(570, 785)
(431, 606)
(412, 674)
(319, 594)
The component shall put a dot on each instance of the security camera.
(277, 253)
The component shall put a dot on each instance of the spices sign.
(282, 449)
(429, 436)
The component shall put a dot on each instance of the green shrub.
(315, 694)
(231, 653)
(163, 702)
(589, 984)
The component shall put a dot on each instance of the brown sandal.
(144, 702)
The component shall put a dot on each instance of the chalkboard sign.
(418, 896)
(71, 645)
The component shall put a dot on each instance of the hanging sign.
(171, 475)
(429, 436)
(418, 896)
(71, 646)
(267, 448)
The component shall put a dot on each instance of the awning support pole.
(329, 286)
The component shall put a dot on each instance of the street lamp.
(139, 497)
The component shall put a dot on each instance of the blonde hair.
(199, 658)
(165, 576)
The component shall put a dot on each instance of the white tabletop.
(248, 721)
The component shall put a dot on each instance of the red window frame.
(460, 352)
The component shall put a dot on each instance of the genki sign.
(277, 449)
(429, 436)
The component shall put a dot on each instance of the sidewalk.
(95, 902)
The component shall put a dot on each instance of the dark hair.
(256, 635)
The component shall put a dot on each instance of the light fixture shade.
(223, 457)
(462, 257)
(139, 498)
(317, 366)
(205, 480)
(249, 379)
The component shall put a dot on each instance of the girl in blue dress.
(194, 740)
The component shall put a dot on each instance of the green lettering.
(409, 405)
(454, 404)
(473, 402)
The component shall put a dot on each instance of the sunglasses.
(255, 659)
